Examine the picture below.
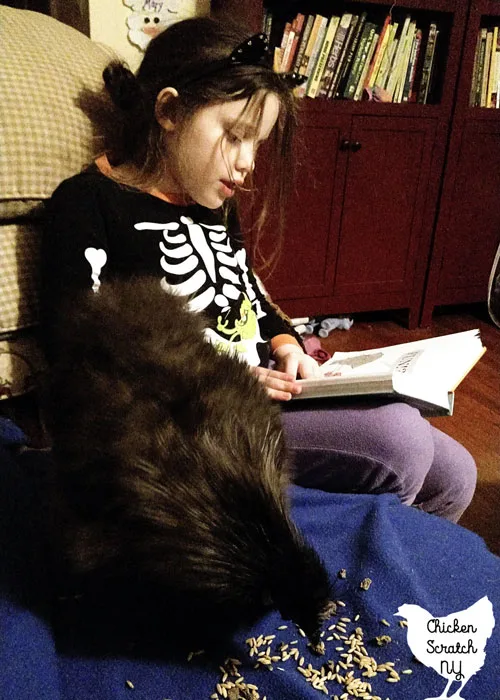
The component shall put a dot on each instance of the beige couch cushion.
(19, 265)
(45, 137)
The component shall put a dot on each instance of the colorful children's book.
(424, 373)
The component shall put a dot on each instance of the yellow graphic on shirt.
(245, 326)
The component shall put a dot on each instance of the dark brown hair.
(191, 56)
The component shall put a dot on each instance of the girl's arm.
(286, 346)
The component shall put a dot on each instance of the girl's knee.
(451, 482)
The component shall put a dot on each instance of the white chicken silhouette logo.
(452, 645)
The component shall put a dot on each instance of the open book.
(424, 373)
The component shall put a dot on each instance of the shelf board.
(487, 7)
(320, 106)
(425, 5)
(483, 114)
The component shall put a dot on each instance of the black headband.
(254, 51)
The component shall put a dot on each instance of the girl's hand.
(280, 386)
(292, 360)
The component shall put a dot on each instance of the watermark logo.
(454, 646)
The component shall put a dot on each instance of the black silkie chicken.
(171, 473)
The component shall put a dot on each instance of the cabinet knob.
(346, 145)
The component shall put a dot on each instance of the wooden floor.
(476, 419)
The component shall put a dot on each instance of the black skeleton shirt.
(97, 229)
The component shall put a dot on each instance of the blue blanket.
(409, 556)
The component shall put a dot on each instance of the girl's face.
(215, 151)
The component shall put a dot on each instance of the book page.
(443, 361)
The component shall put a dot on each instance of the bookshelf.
(361, 225)
(468, 225)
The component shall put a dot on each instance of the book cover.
(333, 89)
(424, 373)
(315, 80)
(379, 52)
(303, 42)
(350, 55)
(334, 55)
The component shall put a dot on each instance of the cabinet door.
(306, 265)
(472, 233)
(385, 194)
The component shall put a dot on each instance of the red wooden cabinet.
(360, 231)
(468, 226)
(357, 228)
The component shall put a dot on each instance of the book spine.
(408, 92)
(495, 94)
(404, 72)
(475, 72)
(332, 92)
(486, 71)
(266, 19)
(426, 67)
(299, 26)
(350, 57)
(303, 42)
(315, 83)
(335, 51)
(377, 56)
(398, 56)
(359, 61)
(310, 43)
(387, 58)
(286, 42)
(320, 37)
(314, 48)
(480, 68)
(432, 73)
(493, 68)
(362, 80)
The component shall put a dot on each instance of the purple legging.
(385, 447)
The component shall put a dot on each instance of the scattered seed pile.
(347, 662)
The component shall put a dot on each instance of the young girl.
(159, 201)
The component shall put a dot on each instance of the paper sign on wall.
(150, 17)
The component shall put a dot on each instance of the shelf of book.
(485, 80)
(368, 50)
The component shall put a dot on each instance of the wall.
(108, 23)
